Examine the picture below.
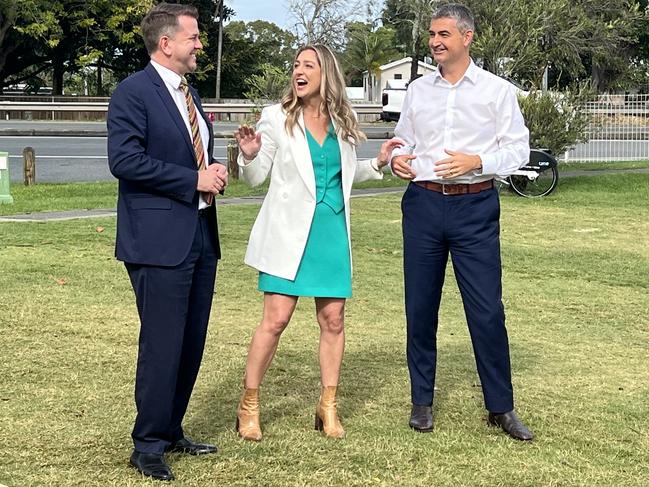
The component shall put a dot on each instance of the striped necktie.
(196, 134)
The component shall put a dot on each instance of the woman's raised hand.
(249, 141)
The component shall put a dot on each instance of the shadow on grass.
(374, 381)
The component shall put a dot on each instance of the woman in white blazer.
(300, 241)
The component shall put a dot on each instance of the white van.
(392, 99)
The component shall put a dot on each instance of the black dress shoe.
(186, 445)
(152, 465)
(511, 425)
(421, 418)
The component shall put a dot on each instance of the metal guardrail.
(19, 106)
(240, 108)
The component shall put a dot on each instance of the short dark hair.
(461, 13)
(162, 20)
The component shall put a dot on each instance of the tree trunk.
(7, 19)
(416, 45)
(57, 76)
(100, 81)
(414, 65)
(596, 74)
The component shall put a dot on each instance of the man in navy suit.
(167, 232)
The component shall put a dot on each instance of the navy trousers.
(466, 227)
(174, 305)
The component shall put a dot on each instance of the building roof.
(406, 60)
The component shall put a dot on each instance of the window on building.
(397, 76)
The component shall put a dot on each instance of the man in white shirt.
(160, 149)
(464, 127)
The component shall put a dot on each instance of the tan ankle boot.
(326, 415)
(248, 415)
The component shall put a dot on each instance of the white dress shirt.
(172, 82)
(478, 115)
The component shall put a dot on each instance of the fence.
(619, 130)
(75, 110)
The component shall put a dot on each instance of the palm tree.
(367, 50)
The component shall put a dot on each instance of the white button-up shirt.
(478, 115)
(172, 83)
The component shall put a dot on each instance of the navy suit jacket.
(151, 153)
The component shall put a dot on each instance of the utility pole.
(219, 51)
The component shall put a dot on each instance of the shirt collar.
(472, 73)
(168, 76)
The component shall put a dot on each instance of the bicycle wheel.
(536, 184)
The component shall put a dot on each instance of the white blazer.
(280, 232)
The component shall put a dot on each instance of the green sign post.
(5, 195)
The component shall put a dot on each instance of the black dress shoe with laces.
(186, 445)
(421, 418)
(512, 425)
(152, 465)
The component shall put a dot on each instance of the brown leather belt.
(454, 189)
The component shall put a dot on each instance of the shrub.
(557, 120)
(269, 86)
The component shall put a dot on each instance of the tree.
(247, 48)
(640, 51)
(269, 86)
(615, 24)
(64, 36)
(367, 49)
(411, 20)
(275, 45)
(17, 52)
(322, 21)
(573, 39)
(77, 38)
(8, 13)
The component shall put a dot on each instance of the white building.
(396, 70)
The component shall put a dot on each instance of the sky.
(275, 11)
(271, 10)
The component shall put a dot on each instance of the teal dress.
(325, 268)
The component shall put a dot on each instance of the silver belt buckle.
(444, 189)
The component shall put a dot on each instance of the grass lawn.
(576, 294)
(60, 197)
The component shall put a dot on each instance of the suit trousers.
(466, 227)
(174, 306)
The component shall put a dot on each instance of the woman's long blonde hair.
(334, 102)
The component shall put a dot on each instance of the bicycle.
(539, 177)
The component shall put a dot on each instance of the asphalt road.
(78, 151)
(63, 158)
